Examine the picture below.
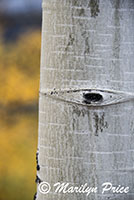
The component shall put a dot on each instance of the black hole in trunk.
(92, 97)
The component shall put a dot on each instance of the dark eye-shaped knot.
(90, 97)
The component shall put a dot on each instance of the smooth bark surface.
(87, 45)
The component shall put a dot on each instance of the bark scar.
(89, 97)
(94, 6)
(35, 196)
(37, 161)
(38, 180)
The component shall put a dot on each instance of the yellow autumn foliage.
(19, 85)
(19, 69)
(18, 141)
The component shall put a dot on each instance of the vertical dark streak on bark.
(100, 123)
(94, 6)
(116, 49)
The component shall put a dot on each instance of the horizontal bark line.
(76, 96)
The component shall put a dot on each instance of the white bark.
(87, 45)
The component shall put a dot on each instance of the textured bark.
(87, 45)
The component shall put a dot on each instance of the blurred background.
(20, 41)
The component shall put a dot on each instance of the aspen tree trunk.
(86, 116)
